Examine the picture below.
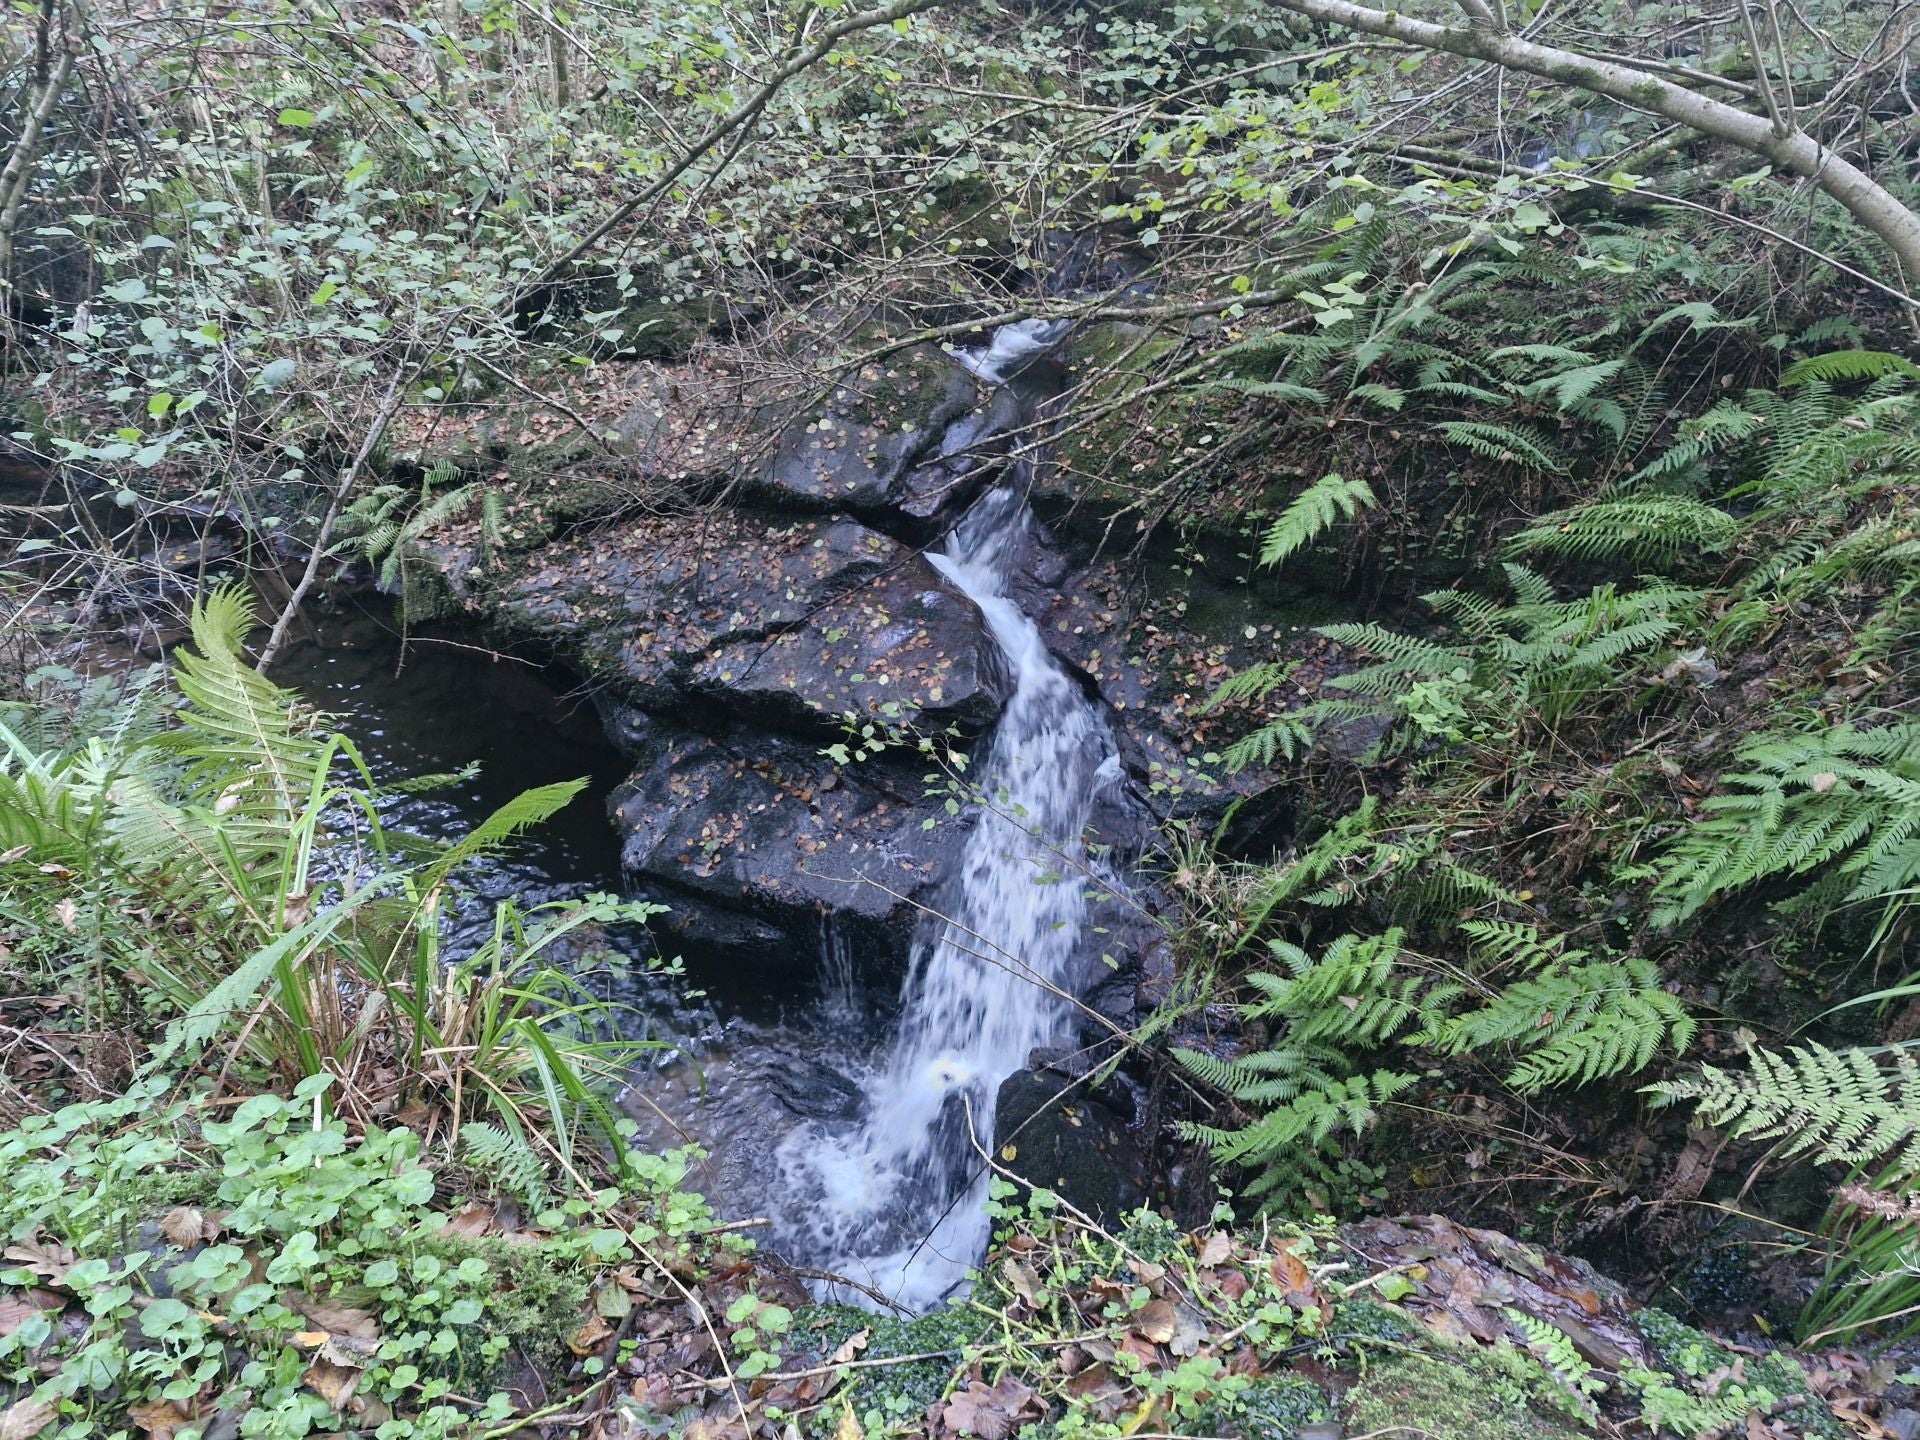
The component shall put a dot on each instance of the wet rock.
(799, 622)
(886, 440)
(1056, 1138)
(905, 646)
(766, 831)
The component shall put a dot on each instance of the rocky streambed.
(897, 563)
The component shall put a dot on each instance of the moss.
(1694, 1355)
(539, 1298)
(1361, 1322)
(891, 1392)
(1273, 1405)
(1456, 1395)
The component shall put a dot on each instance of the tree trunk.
(49, 79)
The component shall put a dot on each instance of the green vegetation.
(1576, 378)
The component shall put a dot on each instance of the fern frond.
(1843, 366)
(1855, 1107)
(1640, 530)
(1328, 500)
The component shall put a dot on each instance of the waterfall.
(898, 1202)
(1011, 348)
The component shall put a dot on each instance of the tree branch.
(1798, 152)
(742, 114)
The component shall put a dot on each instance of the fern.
(1798, 802)
(1505, 444)
(1639, 530)
(1855, 1108)
(1842, 366)
(507, 1160)
(1322, 504)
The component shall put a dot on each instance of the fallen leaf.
(1215, 1249)
(850, 1347)
(1232, 1284)
(612, 1302)
(590, 1336)
(1155, 1322)
(472, 1221)
(160, 1419)
(990, 1412)
(350, 1351)
(1290, 1273)
(25, 1419)
(334, 1318)
(1021, 1277)
(15, 1311)
(50, 1261)
(185, 1227)
(333, 1383)
(849, 1428)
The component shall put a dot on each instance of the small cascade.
(898, 1202)
(839, 983)
(1012, 349)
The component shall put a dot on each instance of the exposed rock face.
(863, 450)
(769, 830)
(798, 622)
(1051, 1134)
(727, 645)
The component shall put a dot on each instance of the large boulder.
(764, 834)
(797, 622)
(1050, 1133)
(900, 440)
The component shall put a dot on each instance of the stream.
(856, 1122)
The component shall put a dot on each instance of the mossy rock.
(1455, 1395)
(1274, 1407)
(1769, 1378)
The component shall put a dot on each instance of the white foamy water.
(1012, 346)
(899, 1203)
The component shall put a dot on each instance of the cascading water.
(899, 1203)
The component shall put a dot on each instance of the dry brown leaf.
(1215, 1250)
(15, 1312)
(160, 1419)
(25, 1419)
(1189, 1332)
(48, 1260)
(335, 1319)
(185, 1227)
(472, 1221)
(1232, 1284)
(849, 1428)
(333, 1383)
(588, 1339)
(1155, 1322)
(850, 1347)
(1021, 1277)
(989, 1412)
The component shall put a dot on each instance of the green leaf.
(297, 119)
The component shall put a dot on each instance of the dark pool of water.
(755, 1048)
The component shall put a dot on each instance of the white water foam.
(899, 1203)
(1011, 348)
